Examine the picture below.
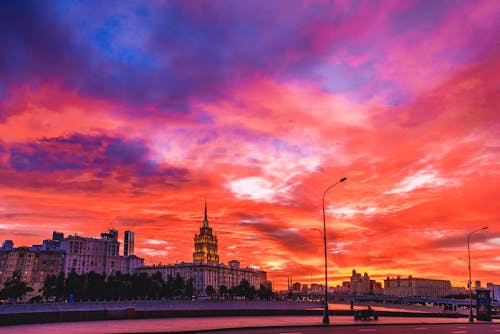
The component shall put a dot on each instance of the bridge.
(394, 299)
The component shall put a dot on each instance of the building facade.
(83, 255)
(203, 275)
(412, 286)
(72, 254)
(363, 285)
(205, 270)
(34, 266)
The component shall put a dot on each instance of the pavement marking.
(291, 333)
(419, 328)
(367, 330)
(459, 332)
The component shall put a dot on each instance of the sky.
(128, 114)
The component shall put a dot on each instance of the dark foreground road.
(478, 328)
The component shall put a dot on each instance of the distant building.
(317, 288)
(411, 286)
(130, 263)
(205, 270)
(205, 244)
(296, 287)
(57, 235)
(268, 285)
(495, 291)
(458, 290)
(360, 284)
(54, 243)
(34, 266)
(83, 255)
(128, 243)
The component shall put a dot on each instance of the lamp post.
(471, 316)
(326, 319)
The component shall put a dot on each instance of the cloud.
(428, 178)
(103, 157)
(133, 114)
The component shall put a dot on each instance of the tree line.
(94, 286)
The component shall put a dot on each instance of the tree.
(14, 287)
(156, 286)
(169, 287)
(140, 285)
(210, 291)
(178, 286)
(50, 288)
(59, 288)
(73, 285)
(95, 285)
(188, 288)
(244, 290)
(223, 291)
(265, 293)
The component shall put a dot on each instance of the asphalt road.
(477, 328)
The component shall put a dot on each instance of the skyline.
(131, 115)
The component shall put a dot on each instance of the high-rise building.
(205, 244)
(128, 243)
(206, 269)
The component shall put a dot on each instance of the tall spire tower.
(205, 244)
(205, 221)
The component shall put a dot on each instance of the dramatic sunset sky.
(127, 114)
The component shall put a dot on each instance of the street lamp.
(471, 317)
(326, 319)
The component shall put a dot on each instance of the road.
(239, 324)
(477, 328)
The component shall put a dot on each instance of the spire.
(205, 221)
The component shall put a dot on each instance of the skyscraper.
(205, 244)
(128, 243)
(206, 270)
